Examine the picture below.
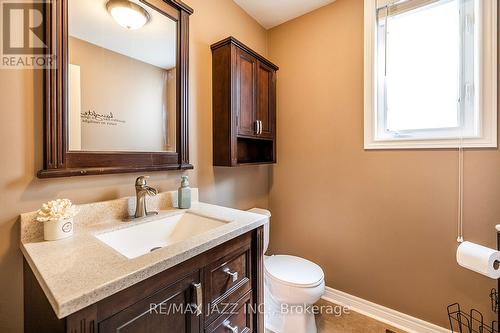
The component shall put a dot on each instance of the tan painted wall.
(380, 223)
(21, 149)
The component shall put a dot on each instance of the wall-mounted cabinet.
(244, 105)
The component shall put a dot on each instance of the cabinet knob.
(227, 324)
(233, 275)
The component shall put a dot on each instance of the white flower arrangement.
(57, 210)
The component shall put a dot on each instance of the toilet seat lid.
(294, 271)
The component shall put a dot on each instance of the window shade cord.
(460, 221)
(385, 40)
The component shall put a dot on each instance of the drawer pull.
(198, 293)
(227, 324)
(234, 275)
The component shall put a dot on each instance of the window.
(430, 73)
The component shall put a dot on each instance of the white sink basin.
(138, 240)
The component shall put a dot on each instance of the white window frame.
(485, 91)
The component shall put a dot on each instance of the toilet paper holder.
(473, 321)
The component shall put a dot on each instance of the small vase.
(58, 229)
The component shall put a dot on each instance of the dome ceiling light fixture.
(128, 14)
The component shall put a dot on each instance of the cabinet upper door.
(245, 94)
(169, 310)
(266, 100)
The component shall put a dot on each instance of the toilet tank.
(266, 226)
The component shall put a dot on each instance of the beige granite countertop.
(79, 271)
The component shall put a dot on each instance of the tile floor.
(351, 322)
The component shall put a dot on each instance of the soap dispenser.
(184, 194)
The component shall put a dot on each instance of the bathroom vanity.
(196, 270)
(208, 277)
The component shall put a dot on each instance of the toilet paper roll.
(480, 259)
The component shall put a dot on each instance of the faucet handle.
(141, 181)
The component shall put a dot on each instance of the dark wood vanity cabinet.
(211, 292)
(244, 105)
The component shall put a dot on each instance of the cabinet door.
(266, 100)
(245, 94)
(169, 310)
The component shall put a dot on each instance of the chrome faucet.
(141, 190)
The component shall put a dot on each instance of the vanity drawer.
(168, 310)
(238, 316)
(227, 280)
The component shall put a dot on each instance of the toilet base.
(285, 318)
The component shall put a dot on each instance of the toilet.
(291, 285)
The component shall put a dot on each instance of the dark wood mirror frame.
(58, 160)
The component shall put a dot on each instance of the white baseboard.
(381, 313)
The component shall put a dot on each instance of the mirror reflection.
(121, 77)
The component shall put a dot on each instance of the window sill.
(430, 144)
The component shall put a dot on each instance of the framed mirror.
(117, 100)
